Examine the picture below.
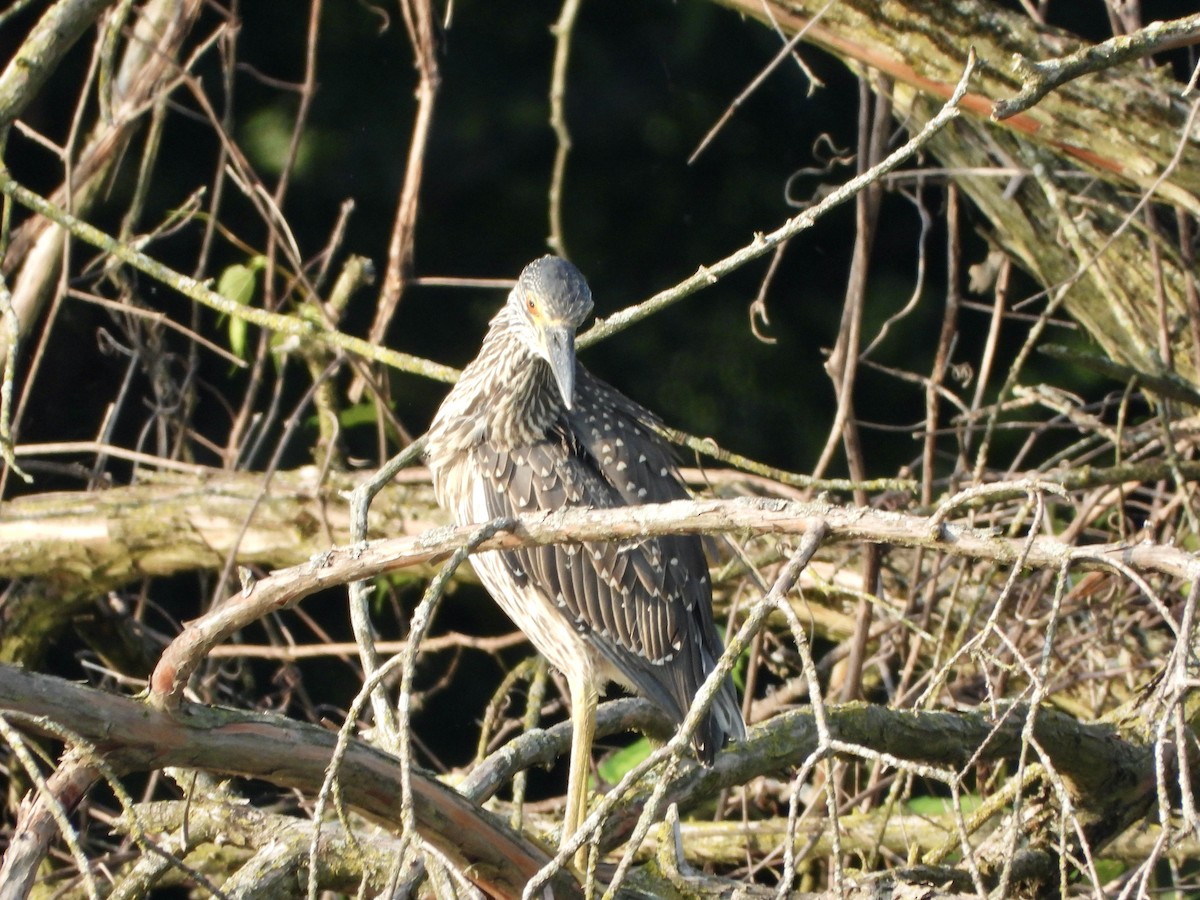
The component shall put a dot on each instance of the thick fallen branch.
(131, 737)
(1122, 126)
(93, 541)
(69, 548)
(237, 831)
(1104, 769)
(727, 842)
(90, 542)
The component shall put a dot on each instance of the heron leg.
(583, 729)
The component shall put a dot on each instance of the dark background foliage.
(647, 80)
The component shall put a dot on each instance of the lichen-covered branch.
(38, 57)
(76, 546)
(1042, 77)
(1106, 769)
(133, 738)
(203, 294)
(339, 566)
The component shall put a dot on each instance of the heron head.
(553, 300)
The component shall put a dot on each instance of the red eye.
(531, 304)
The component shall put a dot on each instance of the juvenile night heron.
(528, 429)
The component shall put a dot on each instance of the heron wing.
(646, 603)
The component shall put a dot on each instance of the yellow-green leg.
(583, 731)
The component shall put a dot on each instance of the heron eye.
(531, 304)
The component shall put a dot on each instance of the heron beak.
(559, 341)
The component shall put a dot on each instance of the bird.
(526, 429)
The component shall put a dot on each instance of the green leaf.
(359, 414)
(237, 284)
(614, 766)
(237, 337)
(937, 806)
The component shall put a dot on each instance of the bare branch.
(340, 566)
(563, 31)
(1040, 78)
(422, 34)
(764, 243)
(201, 293)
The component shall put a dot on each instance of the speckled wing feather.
(638, 601)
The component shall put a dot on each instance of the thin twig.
(422, 35)
(201, 293)
(359, 593)
(709, 275)
(945, 344)
(563, 31)
(676, 747)
(783, 53)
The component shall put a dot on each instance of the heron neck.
(506, 396)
